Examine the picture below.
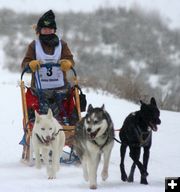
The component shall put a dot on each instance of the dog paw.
(144, 181)
(52, 177)
(124, 177)
(51, 174)
(123, 174)
(130, 178)
(104, 175)
(93, 187)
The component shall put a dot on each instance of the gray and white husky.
(48, 139)
(94, 136)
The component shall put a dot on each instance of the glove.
(34, 65)
(65, 64)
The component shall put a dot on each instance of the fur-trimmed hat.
(46, 20)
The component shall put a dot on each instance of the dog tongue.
(153, 127)
(93, 134)
(47, 140)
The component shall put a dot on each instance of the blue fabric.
(23, 141)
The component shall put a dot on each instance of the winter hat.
(46, 20)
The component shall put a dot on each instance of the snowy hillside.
(17, 177)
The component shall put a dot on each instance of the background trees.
(129, 53)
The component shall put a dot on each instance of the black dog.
(136, 132)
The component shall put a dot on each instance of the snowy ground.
(17, 177)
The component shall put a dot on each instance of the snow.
(154, 80)
(137, 66)
(18, 177)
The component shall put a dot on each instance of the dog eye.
(50, 128)
(42, 128)
(88, 121)
(95, 122)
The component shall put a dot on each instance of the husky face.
(94, 137)
(44, 127)
(95, 122)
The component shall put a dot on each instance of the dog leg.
(131, 175)
(51, 169)
(145, 163)
(122, 169)
(49, 161)
(84, 166)
(134, 154)
(59, 150)
(93, 163)
(31, 153)
(56, 157)
(37, 158)
(107, 154)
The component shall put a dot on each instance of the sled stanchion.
(25, 120)
(76, 93)
(24, 104)
(77, 98)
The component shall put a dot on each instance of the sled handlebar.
(27, 69)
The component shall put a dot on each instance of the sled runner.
(71, 102)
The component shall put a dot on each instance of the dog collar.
(105, 134)
(42, 140)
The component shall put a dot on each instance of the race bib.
(49, 77)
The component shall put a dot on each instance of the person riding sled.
(48, 48)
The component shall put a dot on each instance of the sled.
(73, 103)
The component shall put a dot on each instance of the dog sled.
(72, 103)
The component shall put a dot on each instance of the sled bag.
(83, 101)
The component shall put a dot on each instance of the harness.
(43, 141)
(143, 136)
(106, 141)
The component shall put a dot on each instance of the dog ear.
(38, 117)
(103, 107)
(50, 114)
(90, 107)
(153, 101)
(141, 102)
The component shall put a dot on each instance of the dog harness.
(106, 134)
(143, 136)
(43, 141)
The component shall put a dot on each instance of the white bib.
(51, 77)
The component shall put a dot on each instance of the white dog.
(48, 139)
